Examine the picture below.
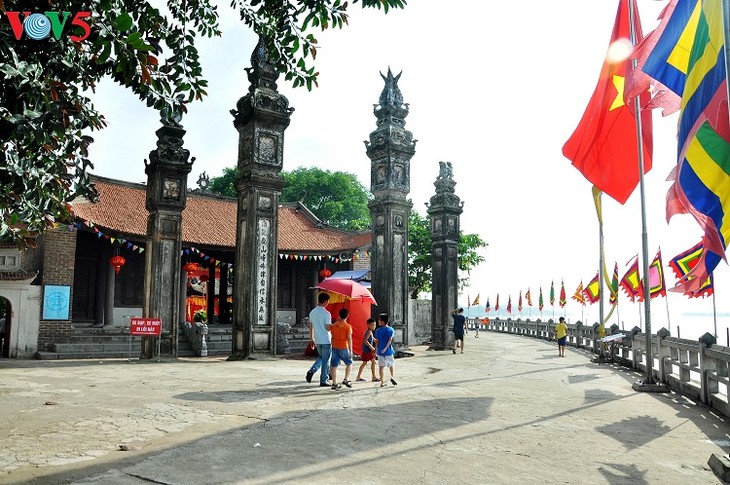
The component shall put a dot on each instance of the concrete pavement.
(508, 411)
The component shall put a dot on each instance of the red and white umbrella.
(350, 289)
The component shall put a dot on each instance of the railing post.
(634, 344)
(594, 339)
(578, 334)
(707, 365)
(663, 351)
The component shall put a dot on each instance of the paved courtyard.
(508, 411)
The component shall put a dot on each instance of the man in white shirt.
(320, 322)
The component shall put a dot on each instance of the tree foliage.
(46, 115)
(420, 256)
(336, 198)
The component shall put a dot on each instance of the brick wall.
(58, 258)
(32, 260)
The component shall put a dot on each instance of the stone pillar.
(390, 149)
(111, 279)
(444, 210)
(260, 117)
(102, 266)
(223, 296)
(210, 294)
(167, 178)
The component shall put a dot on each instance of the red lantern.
(117, 261)
(203, 278)
(190, 268)
(325, 273)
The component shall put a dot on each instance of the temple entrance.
(5, 323)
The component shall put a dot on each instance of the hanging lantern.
(117, 261)
(203, 278)
(190, 268)
(325, 273)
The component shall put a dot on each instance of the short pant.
(340, 354)
(561, 341)
(367, 356)
(386, 361)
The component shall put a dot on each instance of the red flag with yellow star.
(604, 147)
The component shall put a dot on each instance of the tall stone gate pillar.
(390, 149)
(167, 180)
(444, 210)
(260, 117)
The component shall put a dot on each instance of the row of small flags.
(83, 224)
(631, 283)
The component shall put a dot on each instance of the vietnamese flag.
(604, 146)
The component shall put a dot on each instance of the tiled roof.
(211, 220)
(16, 275)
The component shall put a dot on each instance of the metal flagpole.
(601, 329)
(649, 384)
(714, 310)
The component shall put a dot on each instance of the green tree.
(420, 257)
(46, 116)
(336, 198)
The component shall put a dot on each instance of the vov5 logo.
(38, 26)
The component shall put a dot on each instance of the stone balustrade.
(699, 369)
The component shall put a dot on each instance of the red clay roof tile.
(211, 220)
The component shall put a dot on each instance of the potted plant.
(200, 316)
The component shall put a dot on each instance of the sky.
(496, 88)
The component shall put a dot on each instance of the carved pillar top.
(262, 101)
(262, 73)
(445, 197)
(168, 166)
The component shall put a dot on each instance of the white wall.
(25, 304)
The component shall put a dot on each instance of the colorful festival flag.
(684, 262)
(701, 178)
(509, 304)
(668, 59)
(563, 299)
(539, 300)
(656, 277)
(631, 283)
(496, 304)
(487, 307)
(603, 147)
(578, 296)
(668, 63)
(519, 303)
(476, 300)
(552, 293)
(528, 298)
(613, 298)
(592, 291)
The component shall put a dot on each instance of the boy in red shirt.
(341, 348)
(368, 351)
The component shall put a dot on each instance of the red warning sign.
(145, 326)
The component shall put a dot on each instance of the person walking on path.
(459, 324)
(320, 322)
(368, 351)
(341, 348)
(477, 323)
(386, 355)
(561, 333)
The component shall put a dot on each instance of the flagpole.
(602, 329)
(714, 312)
(649, 384)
